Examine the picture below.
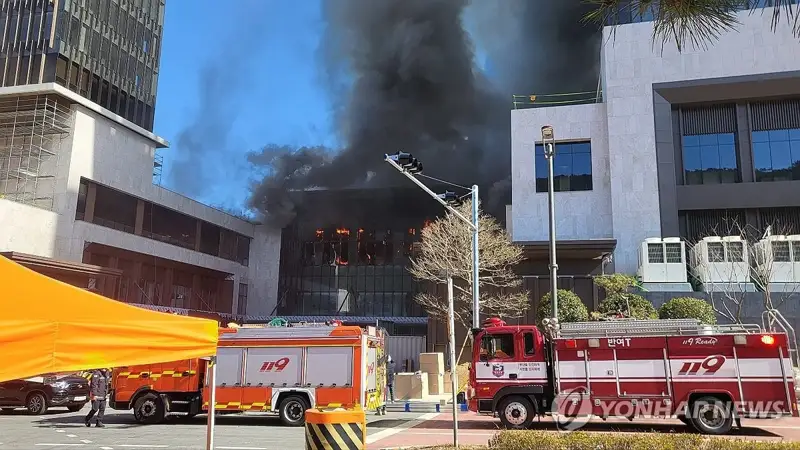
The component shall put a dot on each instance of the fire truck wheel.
(293, 411)
(515, 412)
(149, 409)
(711, 415)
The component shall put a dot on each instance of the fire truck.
(706, 376)
(272, 369)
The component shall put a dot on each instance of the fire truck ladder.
(633, 327)
(773, 320)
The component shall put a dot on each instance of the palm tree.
(694, 21)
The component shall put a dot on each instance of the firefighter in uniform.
(98, 394)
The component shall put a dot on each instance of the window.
(776, 154)
(503, 346)
(242, 304)
(530, 344)
(572, 167)
(710, 159)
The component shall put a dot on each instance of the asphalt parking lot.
(63, 430)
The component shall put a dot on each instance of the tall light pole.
(406, 164)
(549, 143)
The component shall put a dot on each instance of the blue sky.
(276, 94)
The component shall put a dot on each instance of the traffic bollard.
(338, 429)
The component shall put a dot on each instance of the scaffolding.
(32, 129)
(158, 167)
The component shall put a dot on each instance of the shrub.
(688, 308)
(570, 308)
(617, 283)
(526, 440)
(640, 307)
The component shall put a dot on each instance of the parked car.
(40, 393)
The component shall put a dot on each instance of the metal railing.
(544, 100)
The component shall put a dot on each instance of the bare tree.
(446, 247)
(743, 256)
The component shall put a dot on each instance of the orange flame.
(343, 232)
(339, 261)
(412, 231)
(360, 230)
(320, 233)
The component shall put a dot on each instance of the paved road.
(62, 430)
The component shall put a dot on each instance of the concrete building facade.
(647, 147)
(86, 195)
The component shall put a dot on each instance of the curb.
(423, 407)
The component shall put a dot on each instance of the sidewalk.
(437, 429)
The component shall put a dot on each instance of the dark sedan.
(40, 393)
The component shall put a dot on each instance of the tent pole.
(212, 403)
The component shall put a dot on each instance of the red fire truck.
(279, 369)
(707, 376)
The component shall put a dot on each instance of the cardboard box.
(432, 361)
(436, 383)
(411, 386)
(448, 383)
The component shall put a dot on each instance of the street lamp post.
(406, 164)
(549, 142)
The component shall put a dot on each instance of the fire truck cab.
(707, 376)
(277, 369)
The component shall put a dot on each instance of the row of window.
(118, 210)
(712, 158)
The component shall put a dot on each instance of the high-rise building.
(77, 199)
(105, 50)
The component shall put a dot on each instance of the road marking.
(86, 441)
(371, 439)
(106, 448)
(59, 431)
(241, 448)
(144, 446)
(59, 445)
(71, 435)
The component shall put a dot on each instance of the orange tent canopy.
(47, 326)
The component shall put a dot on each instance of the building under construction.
(32, 129)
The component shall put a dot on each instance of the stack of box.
(433, 365)
(410, 386)
(448, 382)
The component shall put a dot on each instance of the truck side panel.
(329, 366)
(273, 366)
(176, 376)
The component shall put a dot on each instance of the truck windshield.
(497, 346)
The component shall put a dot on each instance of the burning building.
(346, 253)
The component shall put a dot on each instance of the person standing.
(390, 378)
(98, 394)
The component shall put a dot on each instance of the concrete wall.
(574, 220)
(630, 67)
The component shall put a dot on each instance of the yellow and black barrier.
(338, 429)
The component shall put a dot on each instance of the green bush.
(640, 307)
(617, 283)
(688, 308)
(570, 308)
(526, 440)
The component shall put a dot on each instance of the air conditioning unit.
(778, 259)
(718, 259)
(662, 260)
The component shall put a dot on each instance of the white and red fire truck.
(280, 369)
(708, 377)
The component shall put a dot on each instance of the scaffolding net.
(32, 129)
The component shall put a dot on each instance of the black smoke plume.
(416, 88)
